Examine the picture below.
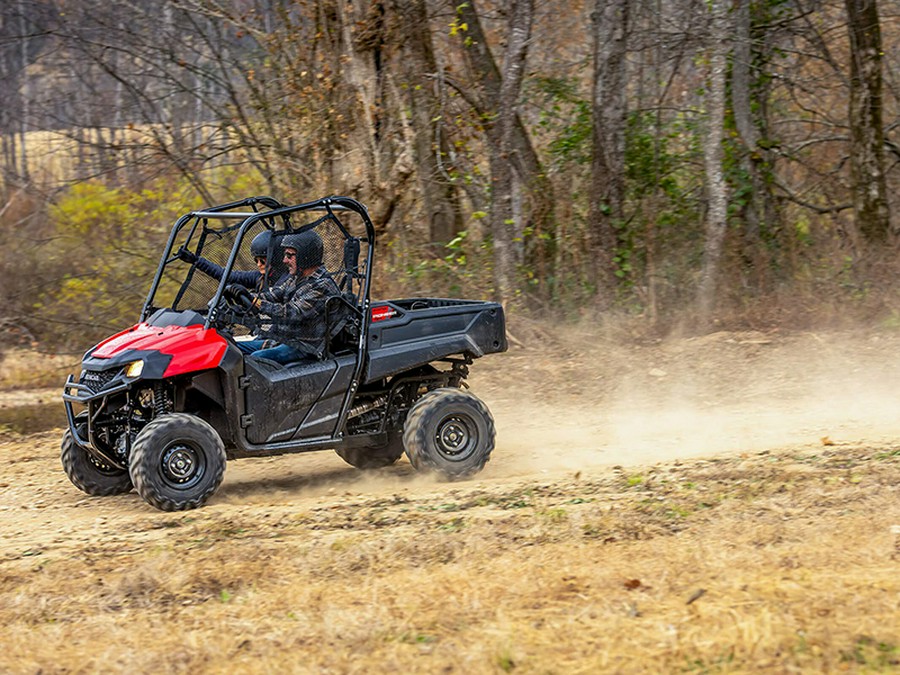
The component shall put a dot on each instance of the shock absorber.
(161, 404)
(358, 410)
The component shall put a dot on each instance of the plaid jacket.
(296, 310)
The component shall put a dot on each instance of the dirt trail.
(593, 408)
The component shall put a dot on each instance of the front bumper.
(95, 403)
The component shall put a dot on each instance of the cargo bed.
(408, 333)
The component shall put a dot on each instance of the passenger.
(297, 308)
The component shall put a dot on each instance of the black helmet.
(259, 247)
(308, 246)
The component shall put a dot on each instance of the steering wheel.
(235, 307)
(238, 297)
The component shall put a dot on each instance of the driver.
(296, 308)
(255, 280)
(252, 279)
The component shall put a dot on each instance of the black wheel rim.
(456, 437)
(182, 465)
(103, 467)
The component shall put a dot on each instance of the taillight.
(383, 312)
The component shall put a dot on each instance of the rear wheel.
(449, 431)
(89, 474)
(374, 457)
(177, 462)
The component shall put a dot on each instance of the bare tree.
(419, 74)
(716, 187)
(609, 113)
(749, 91)
(504, 147)
(866, 128)
(484, 96)
(23, 128)
(22, 38)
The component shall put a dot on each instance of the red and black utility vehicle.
(161, 406)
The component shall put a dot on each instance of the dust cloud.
(726, 393)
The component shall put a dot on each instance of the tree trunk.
(609, 113)
(866, 130)
(716, 215)
(439, 199)
(525, 160)
(757, 194)
(24, 95)
(505, 149)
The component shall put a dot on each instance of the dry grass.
(54, 156)
(771, 562)
(26, 368)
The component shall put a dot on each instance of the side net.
(192, 285)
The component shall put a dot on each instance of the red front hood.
(192, 348)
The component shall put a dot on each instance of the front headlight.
(134, 369)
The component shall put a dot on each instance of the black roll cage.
(276, 209)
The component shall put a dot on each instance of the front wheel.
(89, 474)
(177, 462)
(449, 431)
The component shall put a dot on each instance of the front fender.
(168, 351)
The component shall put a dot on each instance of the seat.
(351, 265)
(343, 316)
(343, 321)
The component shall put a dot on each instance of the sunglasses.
(288, 254)
(260, 259)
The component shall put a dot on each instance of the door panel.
(278, 399)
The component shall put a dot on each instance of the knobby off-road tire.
(449, 431)
(374, 457)
(177, 462)
(90, 474)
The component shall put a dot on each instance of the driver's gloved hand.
(239, 295)
(236, 291)
(185, 255)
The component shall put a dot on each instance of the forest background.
(683, 165)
